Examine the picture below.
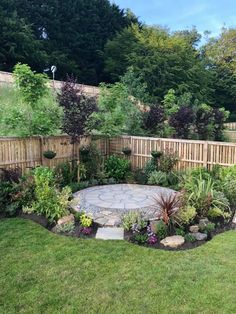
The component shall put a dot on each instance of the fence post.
(205, 154)
(41, 149)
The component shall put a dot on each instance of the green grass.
(45, 273)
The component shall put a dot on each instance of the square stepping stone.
(110, 233)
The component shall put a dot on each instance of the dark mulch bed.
(187, 245)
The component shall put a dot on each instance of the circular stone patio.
(107, 204)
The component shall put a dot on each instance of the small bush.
(158, 178)
(85, 221)
(68, 227)
(208, 228)
(77, 186)
(161, 230)
(117, 168)
(180, 232)
(190, 238)
(150, 166)
(133, 221)
(49, 200)
(92, 161)
(167, 161)
(66, 174)
(140, 177)
(185, 215)
(216, 212)
(140, 238)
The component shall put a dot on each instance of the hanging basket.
(49, 154)
(127, 151)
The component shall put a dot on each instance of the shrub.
(49, 201)
(117, 168)
(229, 188)
(85, 220)
(140, 238)
(168, 161)
(161, 230)
(78, 215)
(77, 186)
(112, 181)
(208, 228)
(66, 174)
(92, 163)
(133, 221)
(179, 231)
(15, 191)
(11, 175)
(182, 121)
(68, 227)
(185, 215)
(7, 189)
(150, 166)
(189, 237)
(158, 178)
(140, 176)
(216, 212)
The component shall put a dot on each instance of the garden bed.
(128, 235)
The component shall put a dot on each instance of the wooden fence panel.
(230, 125)
(20, 152)
(28, 152)
(191, 154)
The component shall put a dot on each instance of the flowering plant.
(85, 221)
(86, 230)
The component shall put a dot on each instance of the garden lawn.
(41, 272)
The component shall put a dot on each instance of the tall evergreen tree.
(74, 32)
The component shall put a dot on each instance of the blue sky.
(181, 14)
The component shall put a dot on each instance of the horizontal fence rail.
(27, 153)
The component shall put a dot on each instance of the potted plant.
(49, 154)
(127, 151)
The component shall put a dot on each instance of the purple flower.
(86, 230)
(152, 239)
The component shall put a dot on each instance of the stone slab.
(173, 241)
(110, 233)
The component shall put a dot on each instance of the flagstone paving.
(107, 204)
